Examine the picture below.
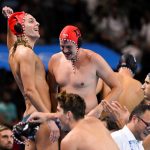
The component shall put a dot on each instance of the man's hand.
(119, 113)
(96, 112)
(55, 133)
(39, 117)
(7, 11)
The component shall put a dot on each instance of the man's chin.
(65, 129)
(68, 57)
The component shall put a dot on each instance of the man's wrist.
(99, 110)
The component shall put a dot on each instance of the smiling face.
(69, 49)
(31, 28)
(146, 88)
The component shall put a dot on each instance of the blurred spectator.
(7, 108)
(145, 30)
(133, 47)
(6, 138)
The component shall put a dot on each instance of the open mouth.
(67, 54)
(36, 29)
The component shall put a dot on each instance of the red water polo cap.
(70, 33)
(17, 17)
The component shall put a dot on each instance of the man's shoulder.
(23, 53)
(56, 56)
(118, 135)
(23, 50)
(121, 134)
(71, 137)
(91, 55)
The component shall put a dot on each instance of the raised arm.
(7, 11)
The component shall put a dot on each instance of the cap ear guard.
(18, 28)
(16, 21)
(79, 42)
(129, 61)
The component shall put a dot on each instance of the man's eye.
(68, 47)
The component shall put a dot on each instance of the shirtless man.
(77, 70)
(29, 73)
(146, 89)
(132, 94)
(87, 133)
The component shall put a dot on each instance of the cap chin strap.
(126, 67)
(26, 129)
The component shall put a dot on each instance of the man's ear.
(69, 115)
(134, 118)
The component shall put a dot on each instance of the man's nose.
(65, 50)
(143, 86)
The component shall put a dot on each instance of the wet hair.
(20, 41)
(72, 102)
(3, 127)
(139, 110)
(111, 123)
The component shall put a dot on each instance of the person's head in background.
(6, 138)
(139, 121)
(146, 88)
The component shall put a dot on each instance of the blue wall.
(45, 52)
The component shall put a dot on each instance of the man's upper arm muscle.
(105, 72)
(10, 39)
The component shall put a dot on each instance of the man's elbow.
(28, 93)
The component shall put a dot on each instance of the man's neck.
(30, 41)
(131, 127)
(125, 70)
(73, 123)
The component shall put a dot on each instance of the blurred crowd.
(123, 26)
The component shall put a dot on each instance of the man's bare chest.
(76, 77)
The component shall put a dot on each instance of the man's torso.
(39, 76)
(80, 79)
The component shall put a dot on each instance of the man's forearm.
(96, 112)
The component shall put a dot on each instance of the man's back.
(89, 134)
(28, 70)
(131, 94)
